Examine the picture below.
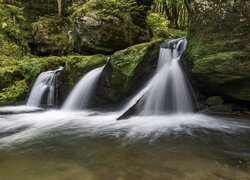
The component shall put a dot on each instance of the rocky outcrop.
(104, 27)
(125, 70)
(218, 48)
(50, 37)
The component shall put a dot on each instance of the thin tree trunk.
(59, 8)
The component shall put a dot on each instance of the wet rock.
(126, 70)
(218, 48)
(214, 100)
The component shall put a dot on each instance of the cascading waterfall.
(81, 94)
(167, 91)
(44, 87)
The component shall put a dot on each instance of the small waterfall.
(167, 91)
(81, 94)
(44, 87)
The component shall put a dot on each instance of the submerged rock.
(219, 49)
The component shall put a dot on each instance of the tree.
(59, 8)
(174, 10)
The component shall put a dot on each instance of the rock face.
(49, 37)
(126, 69)
(219, 50)
(100, 27)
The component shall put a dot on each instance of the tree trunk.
(59, 8)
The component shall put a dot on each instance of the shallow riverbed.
(85, 145)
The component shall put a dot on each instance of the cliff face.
(219, 51)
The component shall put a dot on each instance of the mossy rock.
(31, 67)
(214, 100)
(100, 27)
(218, 48)
(14, 93)
(126, 69)
(78, 66)
(50, 36)
(8, 75)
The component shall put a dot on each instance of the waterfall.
(81, 94)
(44, 87)
(167, 91)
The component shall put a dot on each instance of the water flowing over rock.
(44, 89)
(167, 91)
(81, 94)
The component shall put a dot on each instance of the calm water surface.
(84, 146)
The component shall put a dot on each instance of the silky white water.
(167, 91)
(31, 126)
(80, 96)
(43, 86)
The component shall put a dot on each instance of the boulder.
(104, 27)
(218, 48)
(50, 37)
(126, 70)
(214, 100)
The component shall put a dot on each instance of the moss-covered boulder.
(218, 47)
(50, 37)
(14, 93)
(126, 70)
(17, 81)
(77, 66)
(105, 26)
(8, 75)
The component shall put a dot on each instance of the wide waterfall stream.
(164, 140)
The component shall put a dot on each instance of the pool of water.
(88, 146)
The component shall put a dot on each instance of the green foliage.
(13, 39)
(108, 10)
(176, 33)
(13, 93)
(50, 36)
(158, 25)
(31, 67)
(175, 11)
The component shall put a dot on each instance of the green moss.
(13, 37)
(50, 36)
(13, 93)
(77, 66)
(158, 25)
(223, 67)
(31, 67)
(214, 100)
(8, 75)
(176, 33)
(127, 60)
(126, 68)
